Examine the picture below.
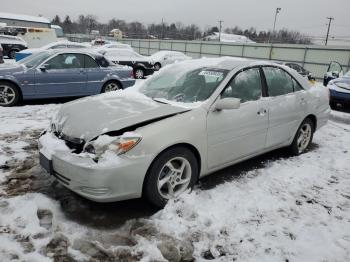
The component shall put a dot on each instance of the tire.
(165, 173)
(157, 66)
(9, 94)
(111, 86)
(139, 73)
(12, 54)
(303, 137)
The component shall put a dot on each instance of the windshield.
(35, 59)
(191, 86)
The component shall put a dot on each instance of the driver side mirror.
(228, 103)
(44, 67)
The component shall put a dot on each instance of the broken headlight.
(118, 145)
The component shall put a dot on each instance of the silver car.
(188, 120)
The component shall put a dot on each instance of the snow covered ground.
(272, 208)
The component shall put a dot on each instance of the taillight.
(131, 74)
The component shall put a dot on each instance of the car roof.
(227, 63)
(86, 51)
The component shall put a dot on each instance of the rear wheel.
(171, 174)
(139, 73)
(157, 66)
(9, 94)
(303, 137)
(111, 86)
(12, 54)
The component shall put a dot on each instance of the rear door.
(64, 76)
(95, 75)
(238, 133)
(286, 107)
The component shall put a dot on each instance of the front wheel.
(171, 174)
(303, 137)
(9, 94)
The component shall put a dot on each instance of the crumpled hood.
(90, 117)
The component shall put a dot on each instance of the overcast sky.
(307, 16)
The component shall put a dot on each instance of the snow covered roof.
(21, 17)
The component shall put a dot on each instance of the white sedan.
(185, 122)
(163, 58)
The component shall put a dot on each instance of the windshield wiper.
(159, 100)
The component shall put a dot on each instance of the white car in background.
(114, 46)
(187, 121)
(163, 58)
(56, 45)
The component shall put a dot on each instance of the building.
(18, 20)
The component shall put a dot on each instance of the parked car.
(11, 45)
(163, 58)
(56, 45)
(334, 71)
(114, 45)
(57, 73)
(187, 121)
(301, 70)
(340, 91)
(142, 65)
(1, 55)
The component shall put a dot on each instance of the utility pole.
(329, 26)
(162, 28)
(278, 9)
(220, 27)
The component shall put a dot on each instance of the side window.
(75, 46)
(297, 86)
(66, 61)
(278, 81)
(245, 86)
(58, 47)
(89, 62)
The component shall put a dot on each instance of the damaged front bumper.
(120, 180)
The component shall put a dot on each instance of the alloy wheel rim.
(139, 74)
(174, 177)
(157, 66)
(304, 137)
(7, 95)
(111, 87)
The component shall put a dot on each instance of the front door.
(238, 133)
(64, 75)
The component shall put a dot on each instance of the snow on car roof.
(21, 17)
(222, 62)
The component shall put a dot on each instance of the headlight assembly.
(118, 145)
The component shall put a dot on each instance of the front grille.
(75, 144)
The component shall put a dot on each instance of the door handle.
(262, 112)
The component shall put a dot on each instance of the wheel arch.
(111, 80)
(15, 84)
(313, 118)
(191, 147)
